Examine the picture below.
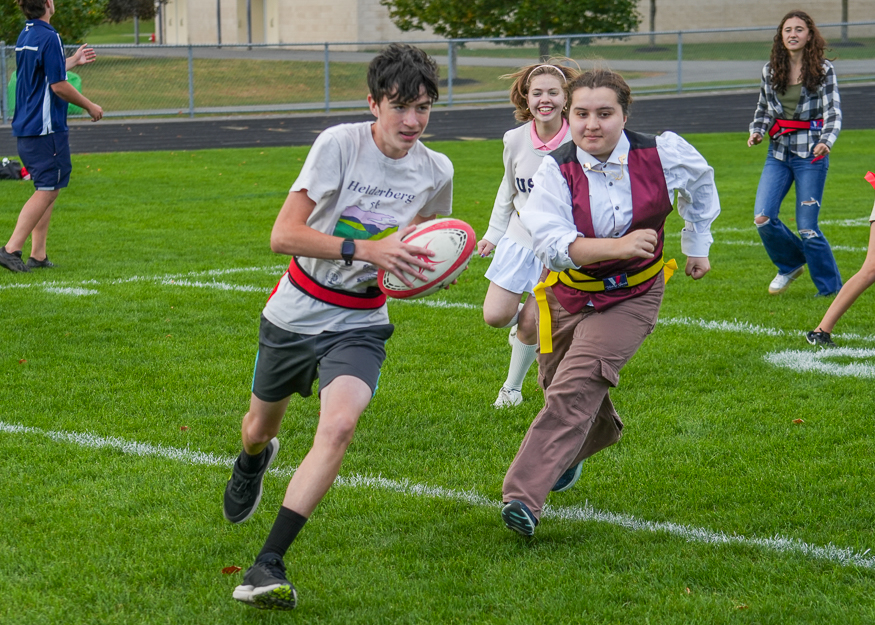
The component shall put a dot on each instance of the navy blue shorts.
(47, 159)
(288, 362)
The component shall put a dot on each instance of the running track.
(725, 112)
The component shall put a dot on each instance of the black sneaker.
(517, 517)
(265, 585)
(819, 339)
(243, 491)
(12, 261)
(33, 263)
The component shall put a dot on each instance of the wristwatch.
(347, 250)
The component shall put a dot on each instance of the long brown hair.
(522, 78)
(813, 73)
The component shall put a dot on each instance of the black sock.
(286, 527)
(251, 464)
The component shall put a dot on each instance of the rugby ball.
(453, 242)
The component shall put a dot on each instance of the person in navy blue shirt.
(40, 124)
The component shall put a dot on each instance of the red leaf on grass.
(797, 421)
(230, 570)
(184, 428)
(22, 361)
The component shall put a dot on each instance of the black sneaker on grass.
(12, 261)
(265, 585)
(33, 263)
(517, 517)
(819, 339)
(243, 490)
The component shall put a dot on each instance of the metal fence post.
(190, 81)
(4, 105)
(451, 70)
(327, 80)
(680, 61)
(568, 47)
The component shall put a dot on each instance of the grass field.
(124, 374)
(123, 32)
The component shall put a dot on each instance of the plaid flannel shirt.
(823, 104)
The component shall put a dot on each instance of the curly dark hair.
(401, 72)
(813, 73)
(522, 78)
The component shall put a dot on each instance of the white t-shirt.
(521, 161)
(360, 193)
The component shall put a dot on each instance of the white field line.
(182, 280)
(818, 361)
(65, 288)
(835, 248)
(744, 327)
(585, 513)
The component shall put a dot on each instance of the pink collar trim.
(553, 143)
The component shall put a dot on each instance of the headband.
(553, 67)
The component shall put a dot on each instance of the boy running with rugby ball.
(327, 318)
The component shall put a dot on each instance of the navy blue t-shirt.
(41, 63)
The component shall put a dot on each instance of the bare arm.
(66, 91)
(82, 56)
(636, 244)
(292, 236)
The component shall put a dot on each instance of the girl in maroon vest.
(596, 214)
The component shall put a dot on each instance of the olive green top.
(790, 99)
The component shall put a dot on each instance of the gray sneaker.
(12, 261)
(243, 490)
(33, 263)
(265, 585)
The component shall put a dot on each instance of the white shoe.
(782, 281)
(512, 335)
(508, 397)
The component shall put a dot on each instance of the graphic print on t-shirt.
(356, 223)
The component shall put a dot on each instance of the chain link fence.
(131, 81)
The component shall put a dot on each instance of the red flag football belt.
(345, 299)
(783, 126)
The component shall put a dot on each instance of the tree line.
(453, 19)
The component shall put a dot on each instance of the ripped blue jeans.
(785, 249)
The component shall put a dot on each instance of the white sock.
(521, 358)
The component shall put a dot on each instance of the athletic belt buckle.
(616, 282)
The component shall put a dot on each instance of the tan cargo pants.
(578, 418)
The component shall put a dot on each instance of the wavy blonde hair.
(522, 78)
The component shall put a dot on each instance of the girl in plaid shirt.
(799, 108)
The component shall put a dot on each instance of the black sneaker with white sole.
(819, 339)
(12, 261)
(243, 490)
(265, 585)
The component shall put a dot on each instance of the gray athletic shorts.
(289, 363)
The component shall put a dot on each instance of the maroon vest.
(650, 207)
